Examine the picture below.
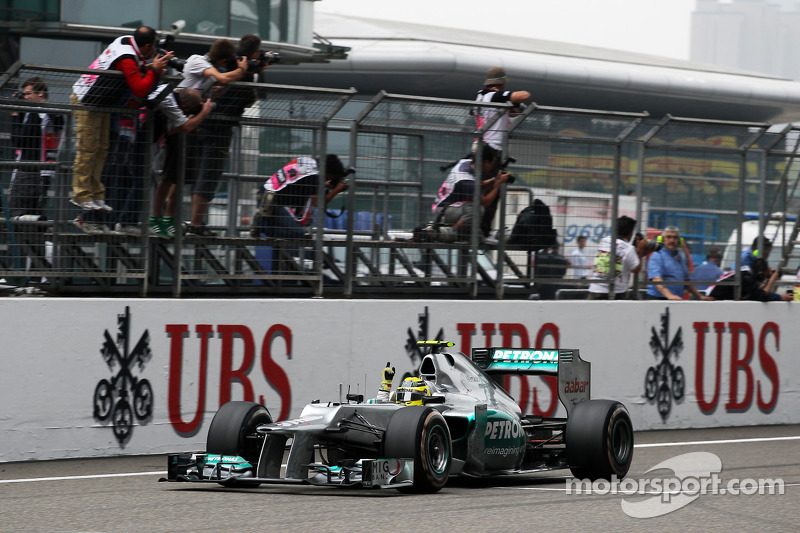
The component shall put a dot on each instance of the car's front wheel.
(420, 433)
(232, 431)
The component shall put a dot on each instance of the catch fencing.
(220, 236)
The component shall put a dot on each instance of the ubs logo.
(665, 381)
(124, 396)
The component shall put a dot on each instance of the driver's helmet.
(411, 391)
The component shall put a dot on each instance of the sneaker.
(168, 228)
(101, 205)
(90, 228)
(155, 226)
(200, 231)
(128, 229)
(86, 206)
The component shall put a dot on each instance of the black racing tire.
(599, 440)
(229, 428)
(421, 433)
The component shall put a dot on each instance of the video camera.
(504, 166)
(650, 245)
(167, 39)
(263, 59)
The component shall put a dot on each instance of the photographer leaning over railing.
(286, 201)
(197, 70)
(181, 111)
(128, 54)
(216, 133)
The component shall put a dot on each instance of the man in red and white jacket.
(128, 54)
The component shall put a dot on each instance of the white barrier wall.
(74, 385)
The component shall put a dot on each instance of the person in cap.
(494, 91)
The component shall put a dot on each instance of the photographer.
(183, 111)
(453, 208)
(128, 54)
(287, 200)
(199, 67)
(494, 91)
(216, 133)
(627, 260)
(754, 287)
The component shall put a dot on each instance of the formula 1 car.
(467, 425)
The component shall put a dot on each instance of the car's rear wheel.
(231, 432)
(420, 433)
(599, 440)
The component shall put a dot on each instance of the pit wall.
(674, 365)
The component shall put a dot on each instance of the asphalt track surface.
(122, 495)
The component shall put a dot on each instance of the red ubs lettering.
(274, 374)
(508, 332)
(743, 386)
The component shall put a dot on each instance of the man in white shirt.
(494, 91)
(196, 71)
(577, 259)
(627, 261)
(199, 67)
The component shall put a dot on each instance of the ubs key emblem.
(124, 396)
(665, 381)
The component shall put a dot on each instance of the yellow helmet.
(411, 391)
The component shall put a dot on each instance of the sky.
(656, 27)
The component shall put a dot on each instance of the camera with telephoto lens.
(504, 166)
(263, 59)
(161, 49)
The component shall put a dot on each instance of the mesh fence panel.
(246, 214)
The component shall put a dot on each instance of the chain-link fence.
(105, 193)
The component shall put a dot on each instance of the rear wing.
(573, 373)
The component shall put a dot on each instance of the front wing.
(236, 471)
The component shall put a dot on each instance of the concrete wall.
(677, 365)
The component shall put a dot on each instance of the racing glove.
(387, 375)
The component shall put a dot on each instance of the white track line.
(726, 441)
(91, 476)
(650, 445)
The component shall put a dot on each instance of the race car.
(455, 420)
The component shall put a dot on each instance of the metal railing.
(588, 166)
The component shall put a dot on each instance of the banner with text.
(127, 376)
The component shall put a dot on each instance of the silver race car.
(455, 419)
